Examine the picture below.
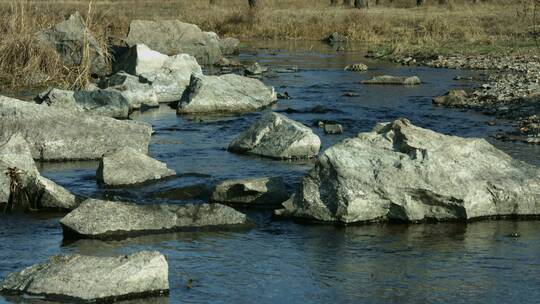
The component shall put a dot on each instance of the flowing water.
(285, 262)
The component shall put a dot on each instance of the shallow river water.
(285, 262)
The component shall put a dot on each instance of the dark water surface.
(283, 262)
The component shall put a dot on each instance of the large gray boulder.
(109, 103)
(276, 136)
(22, 187)
(173, 37)
(105, 219)
(58, 134)
(393, 80)
(400, 172)
(138, 92)
(253, 192)
(82, 278)
(168, 75)
(69, 37)
(127, 166)
(225, 94)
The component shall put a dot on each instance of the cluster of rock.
(511, 91)
(400, 172)
(162, 62)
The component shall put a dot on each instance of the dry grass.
(491, 26)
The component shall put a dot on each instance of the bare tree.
(253, 3)
(361, 3)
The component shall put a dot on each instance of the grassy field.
(492, 26)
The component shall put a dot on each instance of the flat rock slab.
(127, 166)
(109, 103)
(400, 172)
(254, 192)
(279, 137)
(105, 219)
(393, 80)
(228, 93)
(59, 134)
(80, 278)
(173, 37)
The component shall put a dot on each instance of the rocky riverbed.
(509, 88)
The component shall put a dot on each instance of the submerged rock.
(139, 93)
(358, 67)
(69, 37)
(229, 46)
(168, 75)
(254, 192)
(225, 94)
(173, 37)
(127, 166)
(393, 80)
(400, 172)
(109, 103)
(454, 98)
(276, 136)
(106, 219)
(59, 134)
(22, 187)
(81, 278)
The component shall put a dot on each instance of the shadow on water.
(283, 262)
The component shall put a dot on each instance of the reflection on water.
(282, 262)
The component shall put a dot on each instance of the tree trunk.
(361, 3)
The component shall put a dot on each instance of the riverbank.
(510, 90)
(494, 27)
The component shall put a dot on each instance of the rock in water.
(255, 69)
(400, 172)
(277, 136)
(254, 192)
(225, 94)
(138, 93)
(229, 46)
(109, 103)
(68, 38)
(358, 67)
(58, 134)
(173, 37)
(332, 128)
(105, 219)
(22, 187)
(81, 278)
(454, 98)
(393, 80)
(168, 75)
(127, 166)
